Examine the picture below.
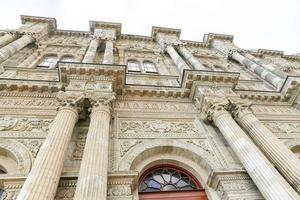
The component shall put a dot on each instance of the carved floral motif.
(287, 128)
(125, 146)
(119, 190)
(32, 145)
(79, 145)
(24, 124)
(158, 128)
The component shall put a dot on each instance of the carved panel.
(79, 145)
(154, 106)
(158, 128)
(24, 124)
(33, 145)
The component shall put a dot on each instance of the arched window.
(167, 179)
(133, 66)
(49, 61)
(149, 67)
(67, 59)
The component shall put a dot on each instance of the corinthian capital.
(212, 109)
(166, 40)
(239, 108)
(101, 101)
(70, 99)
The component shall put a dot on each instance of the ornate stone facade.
(83, 115)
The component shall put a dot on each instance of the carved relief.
(126, 145)
(33, 145)
(79, 145)
(283, 127)
(158, 128)
(24, 124)
(119, 190)
(155, 106)
(27, 102)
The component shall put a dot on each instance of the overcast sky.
(268, 24)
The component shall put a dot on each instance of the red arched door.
(170, 183)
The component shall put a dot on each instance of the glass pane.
(169, 187)
(133, 65)
(167, 179)
(158, 178)
(149, 67)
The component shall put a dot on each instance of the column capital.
(101, 102)
(70, 100)
(239, 109)
(166, 40)
(213, 109)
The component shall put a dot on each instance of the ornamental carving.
(65, 193)
(283, 127)
(126, 145)
(158, 128)
(24, 124)
(79, 145)
(28, 102)
(119, 190)
(155, 106)
(33, 145)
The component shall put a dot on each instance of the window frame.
(155, 71)
(45, 59)
(132, 61)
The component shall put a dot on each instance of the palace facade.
(98, 114)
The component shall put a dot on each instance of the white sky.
(268, 24)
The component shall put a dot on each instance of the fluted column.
(108, 57)
(267, 179)
(189, 56)
(167, 43)
(90, 55)
(43, 179)
(179, 62)
(252, 66)
(285, 160)
(269, 67)
(92, 181)
(10, 49)
(28, 63)
(6, 39)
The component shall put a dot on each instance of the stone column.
(285, 160)
(252, 66)
(267, 179)
(43, 179)
(189, 56)
(10, 49)
(90, 55)
(6, 39)
(167, 43)
(108, 57)
(92, 181)
(28, 63)
(269, 67)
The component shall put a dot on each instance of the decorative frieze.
(158, 128)
(24, 124)
(283, 127)
(33, 145)
(154, 106)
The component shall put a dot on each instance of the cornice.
(105, 25)
(29, 86)
(163, 30)
(208, 38)
(50, 21)
(71, 33)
